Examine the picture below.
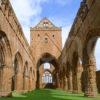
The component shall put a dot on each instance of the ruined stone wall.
(10, 26)
(81, 43)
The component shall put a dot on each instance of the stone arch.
(48, 71)
(26, 76)
(18, 63)
(5, 48)
(17, 79)
(89, 62)
(26, 72)
(46, 57)
(5, 62)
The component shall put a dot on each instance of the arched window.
(53, 35)
(18, 63)
(46, 39)
(1, 57)
(38, 35)
(47, 77)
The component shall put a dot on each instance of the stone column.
(70, 84)
(6, 81)
(19, 82)
(77, 71)
(57, 81)
(62, 85)
(74, 79)
(65, 83)
(25, 82)
(90, 76)
(40, 81)
(30, 83)
(79, 75)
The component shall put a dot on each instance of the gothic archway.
(89, 62)
(17, 79)
(25, 77)
(5, 62)
(45, 58)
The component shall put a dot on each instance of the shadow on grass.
(48, 94)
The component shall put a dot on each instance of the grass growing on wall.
(48, 94)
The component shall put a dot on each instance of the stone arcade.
(72, 68)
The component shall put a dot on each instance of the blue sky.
(60, 12)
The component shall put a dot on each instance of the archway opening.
(89, 64)
(5, 60)
(97, 56)
(17, 77)
(25, 76)
(48, 75)
(1, 64)
(46, 68)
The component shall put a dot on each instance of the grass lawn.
(48, 94)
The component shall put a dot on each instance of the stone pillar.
(90, 76)
(79, 76)
(65, 83)
(57, 81)
(30, 83)
(74, 79)
(77, 79)
(70, 84)
(25, 84)
(62, 83)
(19, 82)
(6, 81)
(40, 81)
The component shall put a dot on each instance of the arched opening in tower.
(46, 71)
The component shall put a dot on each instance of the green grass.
(48, 94)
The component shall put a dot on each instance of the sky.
(61, 12)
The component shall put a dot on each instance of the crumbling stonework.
(21, 64)
(46, 45)
(14, 53)
(79, 50)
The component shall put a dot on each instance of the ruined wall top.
(45, 24)
(8, 12)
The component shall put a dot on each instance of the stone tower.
(46, 46)
(46, 38)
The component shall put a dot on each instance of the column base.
(90, 95)
(5, 94)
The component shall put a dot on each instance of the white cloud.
(28, 13)
(65, 32)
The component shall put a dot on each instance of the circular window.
(46, 40)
